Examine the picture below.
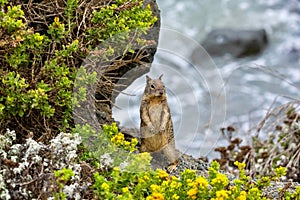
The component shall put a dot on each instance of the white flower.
(70, 189)
(3, 154)
(76, 168)
(260, 160)
(2, 172)
(36, 159)
(77, 196)
(33, 147)
(5, 194)
(15, 149)
(282, 157)
(22, 166)
(71, 155)
(24, 192)
(17, 170)
(12, 134)
(45, 164)
(14, 158)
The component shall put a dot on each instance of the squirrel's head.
(155, 87)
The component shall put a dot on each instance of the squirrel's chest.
(155, 113)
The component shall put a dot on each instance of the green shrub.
(110, 148)
(61, 170)
(41, 58)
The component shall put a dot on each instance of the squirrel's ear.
(160, 76)
(148, 78)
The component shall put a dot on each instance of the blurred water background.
(235, 92)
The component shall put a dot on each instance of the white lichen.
(35, 160)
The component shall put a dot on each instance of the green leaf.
(21, 113)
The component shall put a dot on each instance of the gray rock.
(238, 43)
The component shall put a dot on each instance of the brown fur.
(156, 123)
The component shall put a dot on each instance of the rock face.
(238, 43)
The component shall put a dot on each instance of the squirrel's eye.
(152, 86)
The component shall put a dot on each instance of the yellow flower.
(192, 193)
(175, 197)
(158, 196)
(222, 195)
(118, 139)
(126, 143)
(56, 20)
(165, 184)
(125, 189)
(140, 180)
(162, 174)
(134, 142)
(190, 182)
(233, 189)
(120, 136)
(243, 196)
(155, 187)
(173, 178)
(146, 177)
(241, 166)
(173, 185)
(149, 198)
(201, 182)
(221, 179)
(105, 186)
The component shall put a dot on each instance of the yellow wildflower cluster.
(175, 197)
(241, 166)
(163, 175)
(175, 184)
(155, 188)
(117, 139)
(192, 193)
(159, 185)
(221, 195)
(156, 196)
(105, 187)
(199, 187)
(201, 182)
(125, 190)
(120, 141)
(221, 180)
(156, 193)
(144, 179)
(242, 196)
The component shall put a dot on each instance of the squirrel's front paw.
(172, 167)
(151, 128)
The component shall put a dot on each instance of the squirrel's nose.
(161, 92)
